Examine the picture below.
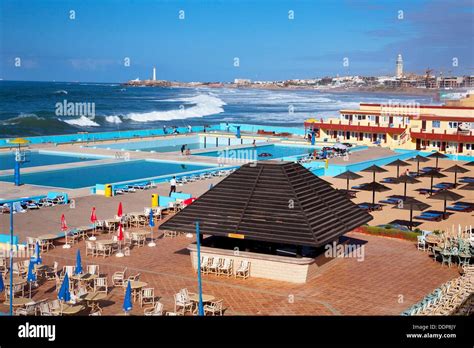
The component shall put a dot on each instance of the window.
(453, 124)
(436, 124)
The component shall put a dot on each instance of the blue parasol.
(127, 301)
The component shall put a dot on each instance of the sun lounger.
(389, 180)
(466, 179)
(461, 207)
(444, 185)
(349, 193)
(425, 191)
(370, 206)
(390, 200)
(430, 216)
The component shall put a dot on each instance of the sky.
(204, 40)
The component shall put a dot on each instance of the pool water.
(170, 148)
(35, 159)
(255, 153)
(104, 174)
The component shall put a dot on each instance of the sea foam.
(202, 105)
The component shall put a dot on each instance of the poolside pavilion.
(275, 214)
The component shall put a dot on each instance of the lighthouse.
(154, 73)
(399, 70)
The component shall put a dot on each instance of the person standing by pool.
(190, 129)
(183, 147)
(254, 144)
(172, 185)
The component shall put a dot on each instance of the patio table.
(20, 301)
(48, 238)
(93, 300)
(67, 309)
(195, 299)
(136, 286)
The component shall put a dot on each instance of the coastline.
(408, 91)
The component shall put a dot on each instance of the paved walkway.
(392, 276)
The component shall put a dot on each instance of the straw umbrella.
(411, 204)
(398, 163)
(437, 155)
(418, 159)
(456, 169)
(374, 187)
(407, 179)
(433, 174)
(469, 164)
(374, 169)
(348, 175)
(446, 195)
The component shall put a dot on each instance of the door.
(423, 125)
(460, 147)
(443, 146)
(418, 144)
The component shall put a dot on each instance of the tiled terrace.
(392, 269)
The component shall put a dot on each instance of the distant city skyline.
(117, 41)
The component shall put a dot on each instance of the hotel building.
(448, 128)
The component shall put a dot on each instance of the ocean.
(47, 108)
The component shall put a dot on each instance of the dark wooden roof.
(272, 201)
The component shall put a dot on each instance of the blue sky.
(203, 45)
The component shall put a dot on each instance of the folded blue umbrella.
(64, 293)
(37, 258)
(127, 301)
(31, 277)
(78, 269)
(152, 221)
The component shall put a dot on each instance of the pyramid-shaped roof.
(273, 201)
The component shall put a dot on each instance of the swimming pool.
(264, 152)
(169, 144)
(105, 174)
(7, 160)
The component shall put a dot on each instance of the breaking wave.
(82, 121)
(202, 105)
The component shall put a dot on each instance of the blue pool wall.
(210, 142)
(143, 144)
(101, 136)
(255, 127)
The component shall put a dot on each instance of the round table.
(205, 298)
(84, 278)
(136, 286)
(48, 238)
(19, 301)
(67, 309)
(93, 299)
(16, 280)
(106, 241)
